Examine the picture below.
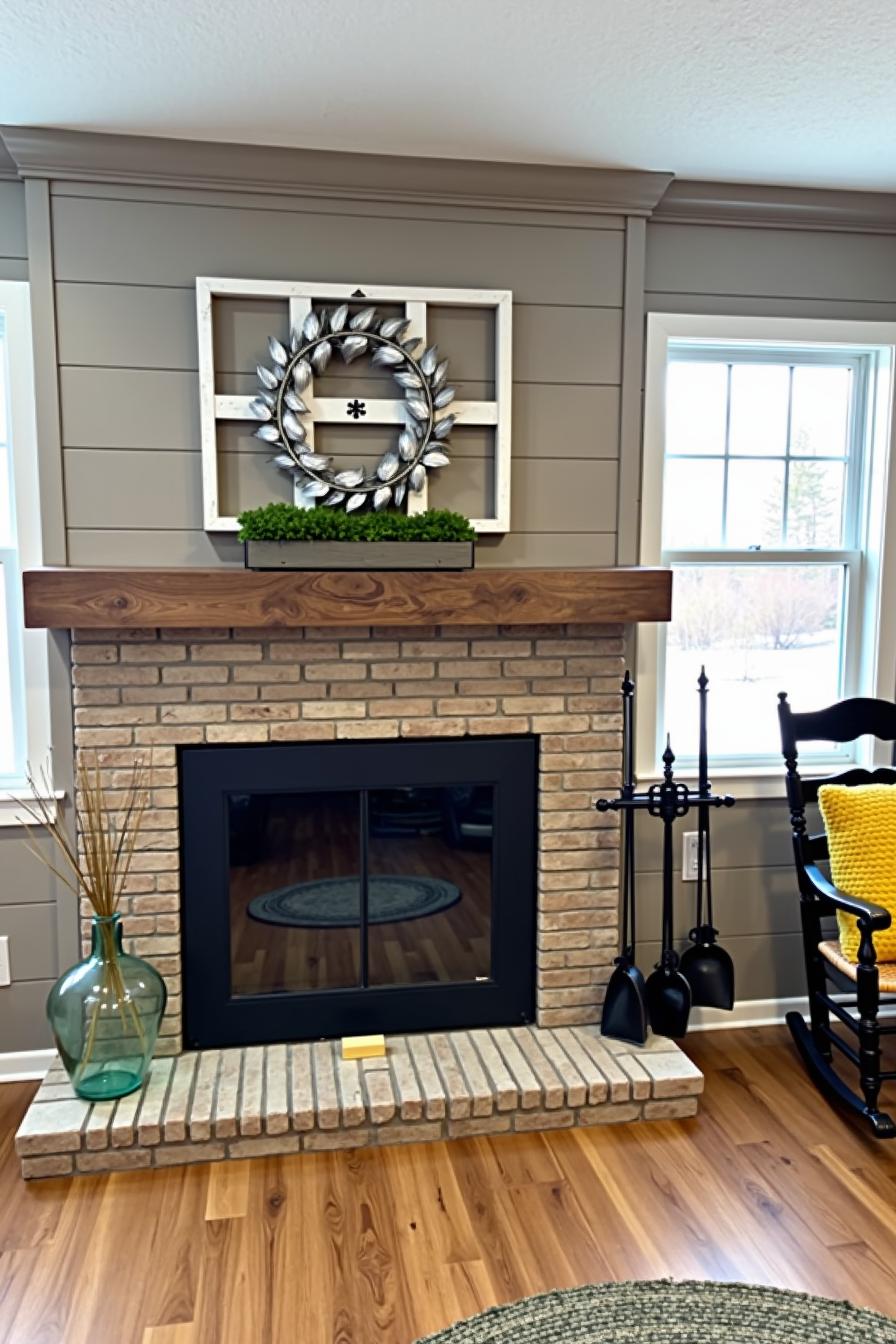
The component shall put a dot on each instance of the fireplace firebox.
(348, 887)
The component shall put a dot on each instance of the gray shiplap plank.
(745, 900)
(573, 421)
(249, 479)
(129, 408)
(558, 550)
(551, 496)
(31, 930)
(25, 879)
(242, 327)
(125, 326)
(566, 345)
(804, 264)
(331, 205)
(141, 243)
(23, 1023)
(133, 489)
(159, 409)
(161, 546)
(140, 327)
(163, 490)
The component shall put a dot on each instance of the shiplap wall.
(124, 266)
(125, 263)
(767, 273)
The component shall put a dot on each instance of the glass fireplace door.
(338, 888)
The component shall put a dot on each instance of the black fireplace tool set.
(704, 975)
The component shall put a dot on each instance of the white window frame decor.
(29, 663)
(869, 666)
(300, 295)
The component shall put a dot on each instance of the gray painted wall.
(695, 268)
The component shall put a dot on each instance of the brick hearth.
(223, 1104)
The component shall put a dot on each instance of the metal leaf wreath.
(421, 442)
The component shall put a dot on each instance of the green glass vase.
(105, 1015)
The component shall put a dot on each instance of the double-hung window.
(766, 475)
(23, 654)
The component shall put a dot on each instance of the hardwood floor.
(767, 1185)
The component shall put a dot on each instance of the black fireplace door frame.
(208, 774)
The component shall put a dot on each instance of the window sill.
(11, 811)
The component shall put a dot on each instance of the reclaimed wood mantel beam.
(135, 598)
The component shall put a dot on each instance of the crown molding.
(769, 207)
(88, 156)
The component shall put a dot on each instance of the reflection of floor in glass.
(743, 693)
(453, 945)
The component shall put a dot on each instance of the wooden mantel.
(137, 598)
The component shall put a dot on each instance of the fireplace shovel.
(707, 967)
(668, 993)
(625, 1006)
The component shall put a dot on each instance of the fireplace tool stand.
(667, 992)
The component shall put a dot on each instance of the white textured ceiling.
(790, 91)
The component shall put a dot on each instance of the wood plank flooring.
(767, 1185)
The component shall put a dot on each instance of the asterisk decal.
(356, 409)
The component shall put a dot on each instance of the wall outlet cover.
(5, 976)
(689, 857)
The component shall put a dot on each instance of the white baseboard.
(23, 1066)
(759, 1013)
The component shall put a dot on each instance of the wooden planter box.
(365, 555)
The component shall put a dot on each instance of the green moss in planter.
(287, 522)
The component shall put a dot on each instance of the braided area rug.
(672, 1313)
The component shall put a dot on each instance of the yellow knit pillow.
(861, 829)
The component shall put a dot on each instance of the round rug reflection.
(334, 902)
(672, 1313)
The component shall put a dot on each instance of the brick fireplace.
(168, 661)
(140, 694)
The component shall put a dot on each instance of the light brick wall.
(140, 694)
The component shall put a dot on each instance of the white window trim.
(877, 654)
(15, 301)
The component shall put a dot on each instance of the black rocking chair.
(866, 982)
